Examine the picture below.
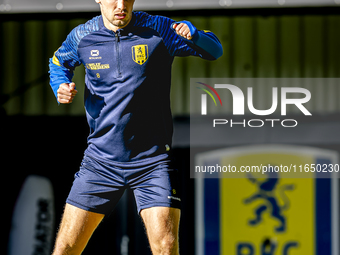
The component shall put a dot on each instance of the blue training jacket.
(127, 83)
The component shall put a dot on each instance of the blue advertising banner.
(261, 209)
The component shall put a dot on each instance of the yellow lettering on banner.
(281, 209)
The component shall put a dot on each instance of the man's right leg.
(77, 226)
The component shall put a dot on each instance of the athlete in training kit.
(128, 57)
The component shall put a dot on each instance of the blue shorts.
(99, 185)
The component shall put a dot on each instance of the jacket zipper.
(118, 54)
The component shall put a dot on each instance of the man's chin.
(121, 23)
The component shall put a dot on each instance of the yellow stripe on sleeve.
(55, 60)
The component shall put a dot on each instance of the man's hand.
(183, 30)
(66, 93)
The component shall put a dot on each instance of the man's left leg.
(162, 225)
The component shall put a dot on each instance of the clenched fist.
(183, 30)
(66, 93)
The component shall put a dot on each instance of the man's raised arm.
(199, 40)
(175, 36)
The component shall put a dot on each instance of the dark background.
(53, 147)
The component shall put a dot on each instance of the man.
(128, 57)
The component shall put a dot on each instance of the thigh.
(77, 226)
(161, 223)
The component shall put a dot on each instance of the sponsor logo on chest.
(97, 66)
(95, 54)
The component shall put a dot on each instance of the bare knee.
(162, 229)
(165, 245)
(61, 249)
(65, 248)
